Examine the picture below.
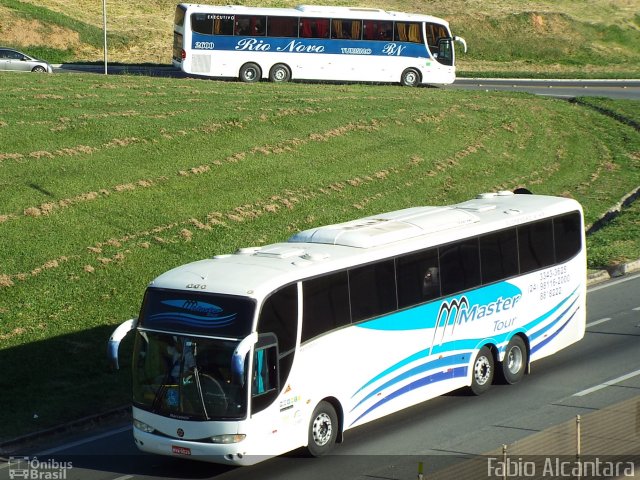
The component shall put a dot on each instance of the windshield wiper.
(196, 374)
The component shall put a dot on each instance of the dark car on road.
(14, 60)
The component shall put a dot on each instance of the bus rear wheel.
(250, 72)
(515, 361)
(410, 78)
(323, 429)
(483, 369)
(280, 73)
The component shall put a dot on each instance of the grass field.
(105, 182)
(561, 38)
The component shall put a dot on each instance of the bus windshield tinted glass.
(186, 377)
(188, 312)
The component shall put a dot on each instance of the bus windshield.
(186, 377)
(184, 351)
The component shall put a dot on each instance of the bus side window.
(253, 26)
(377, 30)
(460, 266)
(265, 372)
(567, 236)
(499, 255)
(279, 316)
(347, 29)
(535, 245)
(265, 384)
(408, 32)
(325, 304)
(282, 27)
(418, 278)
(314, 27)
(372, 290)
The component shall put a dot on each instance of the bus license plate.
(180, 450)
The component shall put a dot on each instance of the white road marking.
(607, 384)
(598, 322)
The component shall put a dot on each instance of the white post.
(104, 28)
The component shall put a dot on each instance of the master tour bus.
(312, 42)
(245, 356)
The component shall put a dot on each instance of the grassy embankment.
(509, 38)
(105, 182)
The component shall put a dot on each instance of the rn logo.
(490, 304)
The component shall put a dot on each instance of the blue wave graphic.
(425, 367)
(428, 380)
(469, 345)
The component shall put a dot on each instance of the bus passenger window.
(346, 29)
(499, 255)
(377, 30)
(408, 32)
(314, 27)
(567, 235)
(372, 290)
(418, 278)
(535, 245)
(282, 27)
(460, 266)
(325, 304)
(253, 26)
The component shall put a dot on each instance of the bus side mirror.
(116, 337)
(239, 356)
(462, 41)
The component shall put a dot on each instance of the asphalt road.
(567, 89)
(601, 370)
(617, 89)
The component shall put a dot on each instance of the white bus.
(313, 43)
(249, 355)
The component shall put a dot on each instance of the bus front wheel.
(280, 73)
(483, 369)
(410, 78)
(250, 72)
(323, 429)
(515, 361)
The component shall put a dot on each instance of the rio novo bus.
(313, 43)
(249, 355)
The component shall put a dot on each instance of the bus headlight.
(143, 426)
(228, 438)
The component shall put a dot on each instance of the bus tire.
(515, 361)
(280, 73)
(250, 72)
(482, 371)
(410, 78)
(323, 429)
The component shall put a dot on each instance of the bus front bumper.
(228, 454)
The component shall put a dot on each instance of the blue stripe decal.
(553, 335)
(211, 44)
(429, 379)
(439, 363)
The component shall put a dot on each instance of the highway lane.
(616, 89)
(601, 370)
(566, 89)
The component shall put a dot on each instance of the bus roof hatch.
(388, 228)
